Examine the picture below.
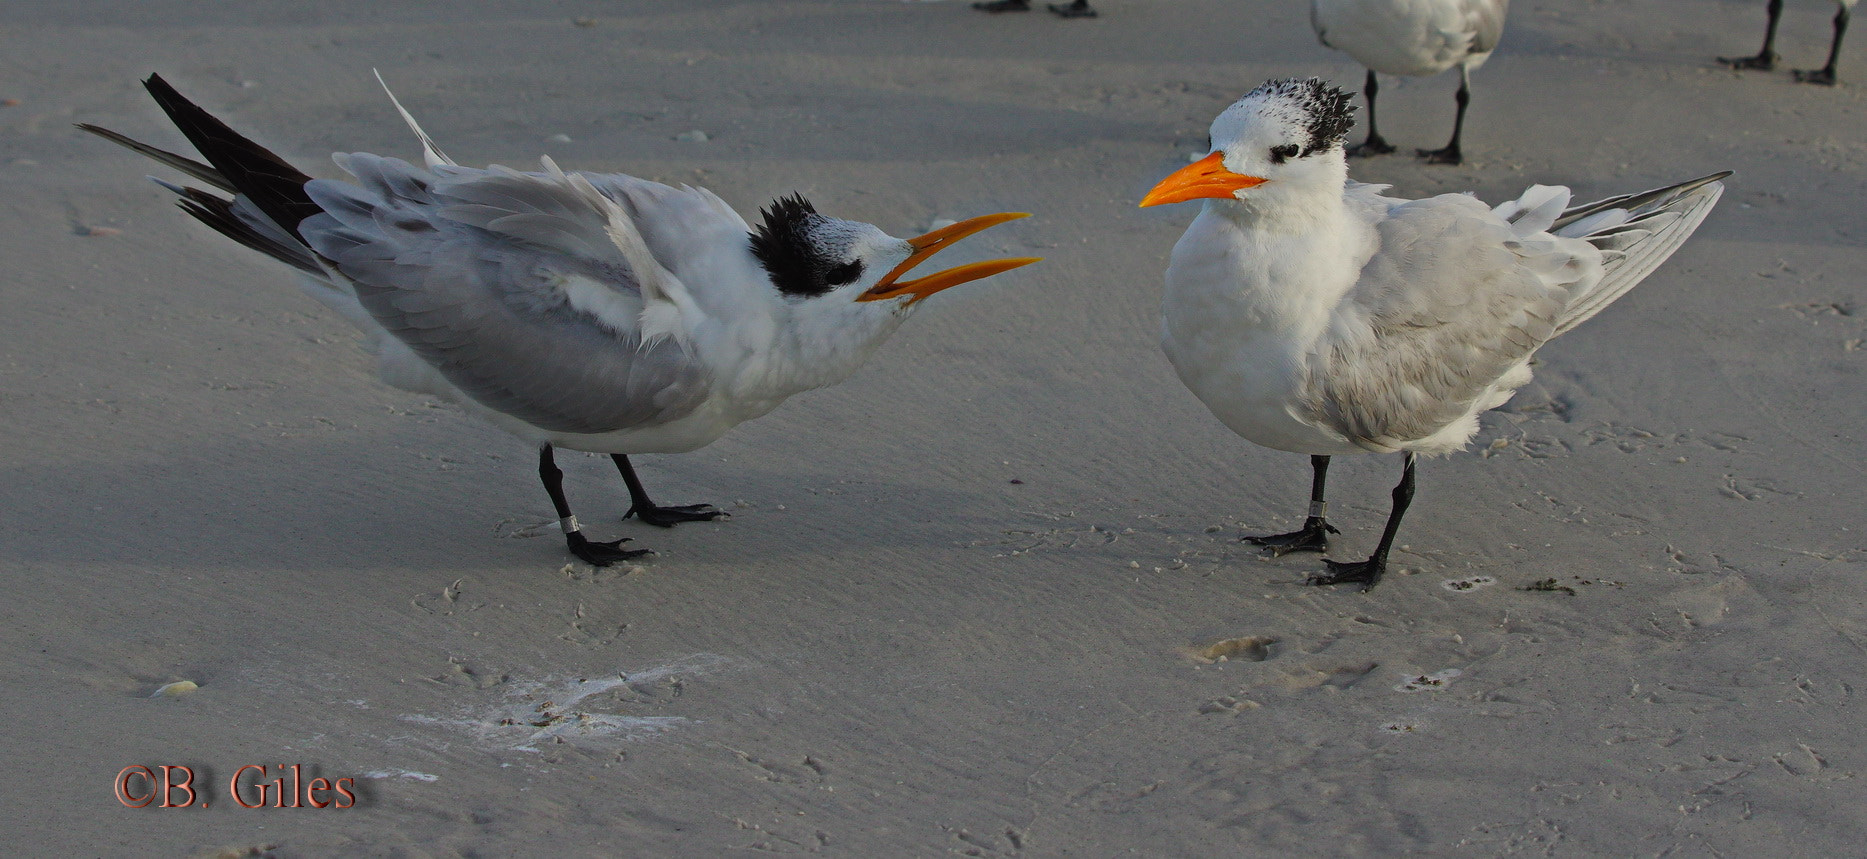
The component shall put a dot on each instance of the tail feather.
(270, 196)
(1636, 232)
(1634, 201)
(180, 162)
(223, 215)
(275, 187)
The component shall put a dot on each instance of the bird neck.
(825, 343)
(1279, 261)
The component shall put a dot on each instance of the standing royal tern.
(1316, 315)
(1766, 58)
(1416, 38)
(595, 312)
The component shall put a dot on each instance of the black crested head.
(1324, 112)
(787, 246)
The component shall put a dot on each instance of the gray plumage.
(469, 268)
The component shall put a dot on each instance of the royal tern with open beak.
(1315, 315)
(595, 312)
(1766, 58)
(1418, 38)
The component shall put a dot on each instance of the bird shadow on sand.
(344, 506)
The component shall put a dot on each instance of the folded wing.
(519, 288)
(1456, 298)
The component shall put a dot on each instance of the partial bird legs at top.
(1766, 58)
(1074, 9)
(1369, 572)
(1826, 74)
(1314, 535)
(647, 511)
(591, 551)
(1374, 145)
(1450, 154)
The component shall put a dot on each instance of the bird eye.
(843, 274)
(1279, 153)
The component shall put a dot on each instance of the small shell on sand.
(1256, 648)
(175, 689)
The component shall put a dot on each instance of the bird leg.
(1826, 74)
(1004, 6)
(1766, 58)
(1076, 9)
(1369, 572)
(1450, 154)
(648, 511)
(1314, 535)
(1374, 145)
(591, 551)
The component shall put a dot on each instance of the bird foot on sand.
(1078, 9)
(1370, 147)
(668, 517)
(601, 554)
(1367, 573)
(1448, 155)
(997, 6)
(1823, 77)
(1760, 62)
(1312, 537)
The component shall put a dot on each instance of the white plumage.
(1317, 315)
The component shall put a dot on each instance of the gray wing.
(1451, 301)
(508, 284)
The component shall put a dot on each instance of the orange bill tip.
(935, 241)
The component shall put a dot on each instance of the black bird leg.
(1314, 535)
(1004, 6)
(1374, 145)
(1074, 9)
(646, 510)
(1766, 58)
(1826, 74)
(592, 552)
(1369, 572)
(1450, 154)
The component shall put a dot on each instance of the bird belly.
(692, 431)
(402, 368)
(1249, 379)
(1395, 37)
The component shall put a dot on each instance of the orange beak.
(932, 243)
(1206, 177)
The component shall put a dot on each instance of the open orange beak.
(1206, 177)
(930, 244)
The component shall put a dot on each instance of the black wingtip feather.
(274, 185)
(1634, 201)
(218, 213)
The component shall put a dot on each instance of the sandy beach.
(988, 597)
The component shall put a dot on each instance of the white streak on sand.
(550, 710)
(407, 774)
